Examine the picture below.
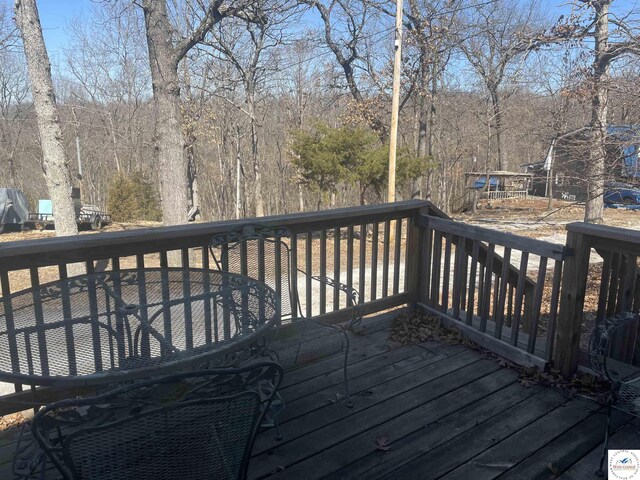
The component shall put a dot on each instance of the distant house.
(568, 159)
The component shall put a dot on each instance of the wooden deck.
(446, 411)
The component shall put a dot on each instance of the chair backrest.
(614, 342)
(259, 252)
(196, 425)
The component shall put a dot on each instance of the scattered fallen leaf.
(383, 443)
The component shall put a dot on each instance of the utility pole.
(395, 104)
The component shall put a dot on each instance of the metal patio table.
(109, 327)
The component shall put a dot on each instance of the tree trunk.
(56, 165)
(258, 199)
(422, 146)
(497, 122)
(599, 104)
(172, 164)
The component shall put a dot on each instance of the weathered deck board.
(625, 438)
(448, 412)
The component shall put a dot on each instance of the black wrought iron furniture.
(196, 425)
(109, 327)
(263, 253)
(613, 348)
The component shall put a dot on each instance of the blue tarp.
(479, 183)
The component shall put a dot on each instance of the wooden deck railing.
(364, 247)
(618, 289)
(502, 195)
(500, 289)
(509, 293)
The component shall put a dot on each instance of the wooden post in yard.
(395, 105)
(574, 283)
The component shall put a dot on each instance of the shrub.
(132, 197)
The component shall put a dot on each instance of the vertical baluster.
(206, 290)
(385, 259)
(186, 295)
(437, 267)
(350, 236)
(425, 294)
(604, 286)
(309, 271)
(457, 275)
(93, 311)
(363, 263)
(510, 303)
(396, 258)
(464, 273)
(145, 347)
(39, 320)
(537, 304)
(244, 267)
(120, 319)
(68, 328)
(553, 308)
(323, 271)
(374, 262)
(336, 268)
(166, 297)
(472, 281)
(293, 294)
(613, 284)
(480, 303)
(446, 273)
(261, 259)
(517, 310)
(204, 256)
(10, 325)
(486, 294)
(277, 257)
(504, 277)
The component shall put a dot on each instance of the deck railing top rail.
(606, 236)
(531, 245)
(50, 251)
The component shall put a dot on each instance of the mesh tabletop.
(125, 324)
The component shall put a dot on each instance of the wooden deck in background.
(447, 412)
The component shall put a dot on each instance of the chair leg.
(607, 433)
(276, 425)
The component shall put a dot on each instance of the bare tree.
(608, 46)
(344, 24)
(605, 51)
(496, 37)
(248, 46)
(56, 166)
(431, 34)
(167, 47)
(108, 66)
(14, 90)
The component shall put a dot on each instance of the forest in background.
(480, 91)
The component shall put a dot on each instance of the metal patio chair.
(262, 253)
(195, 425)
(616, 339)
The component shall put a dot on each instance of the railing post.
(574, 282)
(414, 255)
